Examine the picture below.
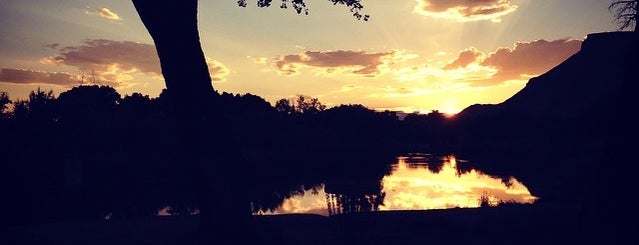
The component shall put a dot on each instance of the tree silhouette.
(300, 6)
(40, 104)
(88, 103)
(188, 82)
(626, 13)
(309, 105)
(38, 108)
(301, 105)
(4, 101)
(86, 113)
(285, 106)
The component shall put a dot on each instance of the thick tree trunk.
(173, 27)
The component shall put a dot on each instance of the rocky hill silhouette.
(565, 127)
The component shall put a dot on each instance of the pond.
(416, 181)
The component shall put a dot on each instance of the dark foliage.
(355, 6)
(91, 152)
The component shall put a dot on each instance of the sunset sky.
(412, 55)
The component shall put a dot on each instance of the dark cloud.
(99, 54)
(356, 62)
(117, 60)
(465, 10)
(25, 76)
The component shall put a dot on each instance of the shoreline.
(547, 223)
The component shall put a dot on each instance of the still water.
(415, 182)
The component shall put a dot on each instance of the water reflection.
(427, 185)
(415, 182)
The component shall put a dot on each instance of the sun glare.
(449, 107)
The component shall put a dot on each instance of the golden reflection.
(420, 188)
(419, 182)
(309, 202)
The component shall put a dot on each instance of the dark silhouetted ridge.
(559, 133)
(590, 78)
(571, 98)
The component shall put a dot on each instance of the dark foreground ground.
(528, 224)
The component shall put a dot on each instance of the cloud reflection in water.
(420, 182)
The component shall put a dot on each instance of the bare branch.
(625, 12)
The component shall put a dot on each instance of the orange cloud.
(465, 58)
(355, 62)
(219, 72)
(106, 13)
(471, 66)
(465, 10)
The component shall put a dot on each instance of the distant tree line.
(91, 152)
